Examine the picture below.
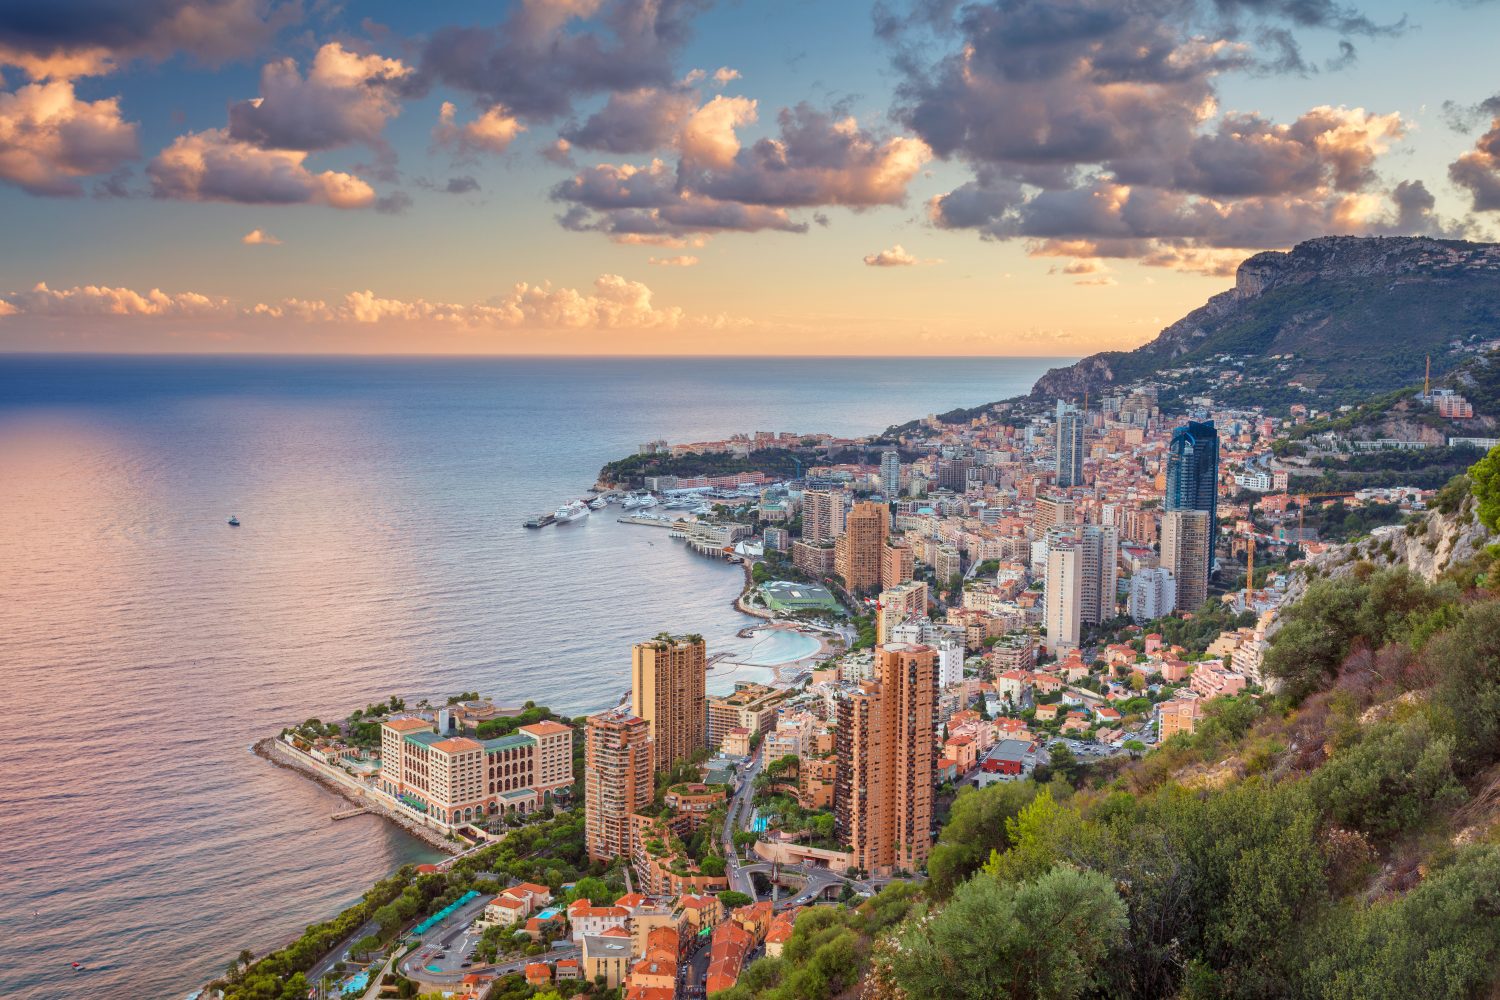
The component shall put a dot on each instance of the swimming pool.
(356, 984)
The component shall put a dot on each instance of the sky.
(909, 177)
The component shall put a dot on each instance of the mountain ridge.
(1363, 312)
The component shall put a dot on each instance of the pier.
(653, 522)
(351, 813)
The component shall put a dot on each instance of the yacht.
(571, 511)
(234, 522)
(648, 501)
(631, 501)
(598, 503)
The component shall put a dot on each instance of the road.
(443, 938)
(736, 818)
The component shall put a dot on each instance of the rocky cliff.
(1362, 312)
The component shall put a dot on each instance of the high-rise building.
(1082, 579)
(1069, 445)
(890, 474)
(1186, 546)
(886, 762)
(1052, 511)
(617, 781)
(947, 641)
(751, 707)
(1062, 600)
(947, 562)
(897, 565)
(1192, 476)
(896, 605)
(822, 515)
(1153, 594)
(953, 474)
(667, 690)
(857, 553)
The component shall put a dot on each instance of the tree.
(712, 865)
(1484, 483)
(731, 898)
(595, 890)
(976, 826)
(1466, 659)
(1388, 781)
(1041, 940)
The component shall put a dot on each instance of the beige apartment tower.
(1186, 542)
(857, 553)
(886, 762)
(667, 690)
(617, 781)
(822, 515)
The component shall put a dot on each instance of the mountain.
(1358, 315)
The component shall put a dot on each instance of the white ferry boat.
(571, 511)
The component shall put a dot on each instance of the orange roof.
(407, 725)
(546, 728)
(508, 902)
(457, 744)
(538, 972)
(630, 899)
(616, 931)
(531, 887)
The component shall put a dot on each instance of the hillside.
(1358, 315)
(1337, 840)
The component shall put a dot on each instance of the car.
(466, 965)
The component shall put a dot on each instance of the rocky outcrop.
(1385, 263)
(1441, 541)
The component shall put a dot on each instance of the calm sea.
(145, 645)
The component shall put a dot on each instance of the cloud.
(724, 75)
(548, 53)
(101, 300)
(492, 132)
(612, 303)
(213, 166)
(1100, 122)
(1478, 171)
(259, 237)
(681, 260)
(345, 98)
(896, 256)
(460, 185)
(49, 138)
(709, 136)
(63, 39)
(635, 121)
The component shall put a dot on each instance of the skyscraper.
(858, 551)
(1069, 445)
(1153, 594)
(822, 515)
(1082, 578)
(896, 605)
(890, 474)
(886, 762)
(617, 781)
(953, 474)
(1186, 547)
(1193, 484)
(667, 690)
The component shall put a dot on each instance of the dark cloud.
(635, 121)
(346, 97)
(82, 37)
(543, 56)
(461, 185)
(1096, 123)
(395, 203)
(1478, 171)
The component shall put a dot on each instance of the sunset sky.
(689, 177)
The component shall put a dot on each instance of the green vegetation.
(632, 470)
(1484, 480)
(531, 714)
(1338, 522)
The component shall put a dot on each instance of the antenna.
(1427, 380)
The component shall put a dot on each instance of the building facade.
(1186, 547)
(890, 474)
(857, 553)
(751, 707)
(1193, 484)
(886, 761)
(457, 779)
(618, 780)
(1153, 594)
(822, 515)
(667, 677)
(1070, 451)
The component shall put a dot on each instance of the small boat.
(234, 522)
(648, 501)
(598, 503)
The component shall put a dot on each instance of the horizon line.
(6, 354)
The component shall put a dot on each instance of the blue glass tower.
(1193, 475)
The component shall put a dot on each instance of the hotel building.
(667, 677)
(617, 781)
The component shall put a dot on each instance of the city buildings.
(618, 780)
(886, 762)
(822, 515)
(667, 690)
(897, 564)
(896, 605)
(1192, 483)
(457, 779)
(890, 474)
(1070, 451)
(857, 552)
(1186, 547)
(1082, 576)
(1153, 594)
(750, 706)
